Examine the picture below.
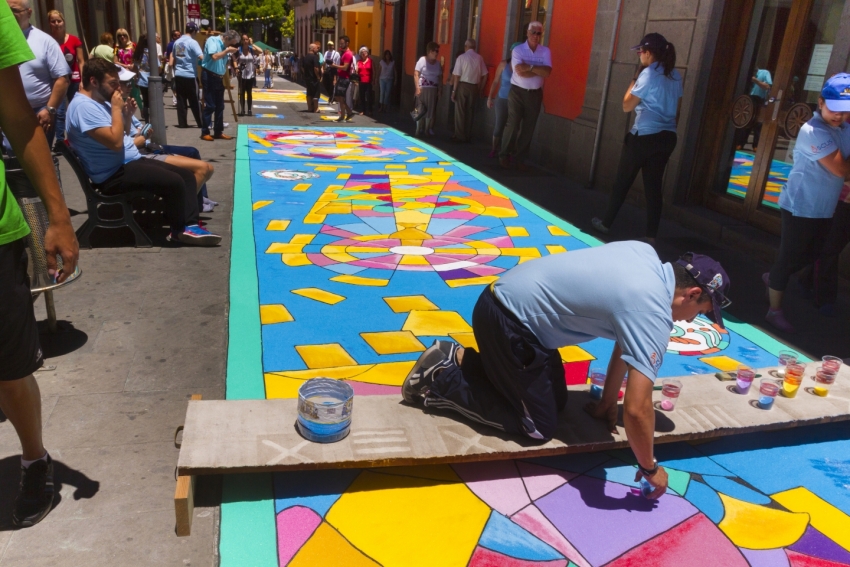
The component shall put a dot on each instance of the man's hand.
(418, 91)
(130, 107)
(45, 120)
(607, 413)
(453, 97)
(231, 49)
(658, 482)
(60, 239)
(489, 103)
(118, 100)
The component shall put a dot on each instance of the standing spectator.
(142, 67)
(217, 50)
(104, 50)
(762, 81)
(387, 79)
(20, 351)
(428, 77)
(72, 49)
(329, 71)
(184, 59)
(245, 62)
(267, 69)
(98, 123)
(296, 69)
(498, 99)
(364, 69)
(124, 49)
(531, 64)
(45, 78)
(344, 90)
(654, 95)
(169, 68)
(468, 80)
(808, 200)
(312, 77)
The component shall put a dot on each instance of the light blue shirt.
(84, 115)
(762, 75)
(212, 46)
(619, 291)
(186, 53)
(144, 70)
(659, 100)
(812, 191)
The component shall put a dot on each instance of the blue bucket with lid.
(324, 410)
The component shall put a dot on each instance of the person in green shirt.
(20, 352)
(105, 50)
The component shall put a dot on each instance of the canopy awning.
(263, 46)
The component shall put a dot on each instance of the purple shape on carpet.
(457, 274)
(765, 557)
(580, 508)
(816, 544)
(366, 389)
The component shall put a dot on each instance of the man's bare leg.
(202, 170)
(20, 400)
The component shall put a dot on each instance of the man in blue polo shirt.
(619, 291)
(217, 50)
(184, 59)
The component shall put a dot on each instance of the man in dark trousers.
(312, 76)
(619, 291)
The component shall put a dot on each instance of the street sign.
(193, 11)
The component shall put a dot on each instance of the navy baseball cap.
(836, 93)
(191, 27)
(652, 41)
(712, 278)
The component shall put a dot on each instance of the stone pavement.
(143, 329)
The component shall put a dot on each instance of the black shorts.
(20, 350)
(312, 89)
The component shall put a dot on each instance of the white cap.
(124, 74)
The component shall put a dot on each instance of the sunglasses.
(536, 33)
(123, 35)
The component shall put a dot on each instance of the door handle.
(776, 104)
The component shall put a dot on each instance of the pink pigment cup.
(670, 391)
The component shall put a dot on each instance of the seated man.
(186, 157)
(98, 122)
(619, 291)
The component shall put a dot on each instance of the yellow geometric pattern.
(319, 295)
(575, 354)
(466, 340)
(393, 342)
(555, 248)
(285, 384)
(278, 225)
(271, 314)
(325, 356)
(557, 231)
(435, 323)
(757, 527)
(383, 515)
(826, 518)
(327, 543)
(516, 230)
(261, 204)
(724, 363)
(406, 303)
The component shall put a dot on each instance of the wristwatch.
(50, 110)
(649, 472)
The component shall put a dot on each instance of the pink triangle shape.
(533, 520)
(496, 483)
(540, 480)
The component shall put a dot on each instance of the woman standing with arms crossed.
(498, 99)
(72, 49)
(428, 76)
(809, 198)
(654, 96)
(364, 69)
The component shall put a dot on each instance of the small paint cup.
(786, 357)
(793, 379)
(768, 389)
(670, 390)
(597, 383)
(831, 364)
(623, 387)
(823, 380)
(744, 378)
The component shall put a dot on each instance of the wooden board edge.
(184, 499)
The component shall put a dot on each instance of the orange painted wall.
(411, 36)
(447, 48)
(563, 93)
(389, 16)
(491, 35)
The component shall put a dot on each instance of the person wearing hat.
(185, 59)
(809, 197)
(654, 95)
(331, 57)
(514, 380)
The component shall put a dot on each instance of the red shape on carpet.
(483, 557)
(576, 372)
(801, 560)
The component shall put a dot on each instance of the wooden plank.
(223, 437)
(184, 499)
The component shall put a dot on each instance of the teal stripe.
(248, 526)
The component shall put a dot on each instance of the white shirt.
(523, 54)
(470, 67)
(430, 74)
(39, 74)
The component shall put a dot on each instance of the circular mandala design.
(697, 338)
(288, 174)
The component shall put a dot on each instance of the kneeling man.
(620, 291)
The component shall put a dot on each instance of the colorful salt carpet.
(353, 249)
(742, 169)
